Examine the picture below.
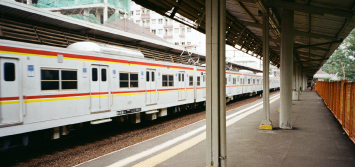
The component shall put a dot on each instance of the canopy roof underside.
(319, 25)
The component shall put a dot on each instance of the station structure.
(297, 36)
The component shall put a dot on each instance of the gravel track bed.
(102, 140)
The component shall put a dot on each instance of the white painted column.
(266, 123)
(300, 74)
(105, 13)
(215, 80)
(296, 77)
(286, 69)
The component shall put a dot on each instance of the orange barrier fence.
(339, 98)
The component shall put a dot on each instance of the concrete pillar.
(296, 77)
(105, 13)
(286, 69)
(300, 78)
(266, 123)
(215, 83)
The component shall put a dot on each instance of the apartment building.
(168, 29)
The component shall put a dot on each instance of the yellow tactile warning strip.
(157, 159)
(172, 152)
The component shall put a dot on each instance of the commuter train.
(50, 89)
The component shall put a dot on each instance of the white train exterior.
(44, 87)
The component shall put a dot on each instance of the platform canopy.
(27, 23)
(319, 25)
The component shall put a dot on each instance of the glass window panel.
(94, 74)
(69, 75)
(103, 75)
(183, 77)
(198, 81)
(123, 84)
(134, 84)
(153, 76)
(50, 85)
(124, 76)
(147, 76)
(179, 77)
(134, 77)
(69, 85)
(49, 74)
(9, 71)
(191, 81)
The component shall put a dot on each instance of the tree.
(346, 54)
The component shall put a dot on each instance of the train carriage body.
(43, 87)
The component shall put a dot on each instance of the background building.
(95, 11)
(168, 29)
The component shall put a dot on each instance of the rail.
(339, 98)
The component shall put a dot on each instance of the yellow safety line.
(172, 152)
(157, 159)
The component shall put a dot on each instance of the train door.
(150, 86)
(182, 86)
(204, 84)
(10, 110)
(99, 88)
(230, 88)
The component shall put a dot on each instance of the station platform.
(316, 139)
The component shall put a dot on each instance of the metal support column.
(215, 88)
(286, 69)
(105, 13)
(266, 123)
(299, 78)
(296, 77)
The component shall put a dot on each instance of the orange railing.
(339, 97)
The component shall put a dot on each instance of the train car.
(57, 89)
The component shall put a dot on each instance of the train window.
(153, 76)
(180, 77)
(234, 81)
(49, 79)
(124, 80)
(238, 79)
(165, 80)
(204, 77)
(9, 71)
(168, 80)
(191, 81)
(69, 79)
(171, 80)
(147, 76)
(248, 81)
(226, 81)
(183, 77)
(133, 79)
(94, 74)
(198, 81)
(103, 75)
(253, 81)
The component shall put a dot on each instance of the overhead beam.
(296, 32)
(309, 54)
(308, 8)
(175, 9)
(311, 60)
(318, 44)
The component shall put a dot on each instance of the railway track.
(102, 139)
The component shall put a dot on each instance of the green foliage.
(346, 54)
